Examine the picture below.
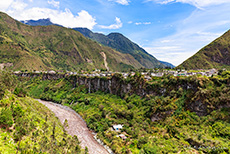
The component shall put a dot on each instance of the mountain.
(167, 64)
(55, 47)
(214, 55)
(40, 22)
(124, 45)
(114, 40)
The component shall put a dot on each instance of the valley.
(60, 86)
(161, 119)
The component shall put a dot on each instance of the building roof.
(117, 126)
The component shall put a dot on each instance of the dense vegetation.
(154, 124)
(27, 126)
(214, 55)
(55, 47)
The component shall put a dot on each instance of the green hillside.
(124, 45)
(55, 47)
(214, 55)
(26, 126)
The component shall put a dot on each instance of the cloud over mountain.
(19, 10)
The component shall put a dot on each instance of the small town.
(147, 75)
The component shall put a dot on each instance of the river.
(76, 126)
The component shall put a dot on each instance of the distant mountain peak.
(114, 40)
(39, 22)
(55, 48)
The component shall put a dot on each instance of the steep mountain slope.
(114, 40)
(55, 47)
(167, 64)
(214, 55)
(124, 45)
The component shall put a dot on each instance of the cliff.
(196, 91)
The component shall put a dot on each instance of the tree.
(7, 82)
(148, 150)
(6, 118)
(86, 150)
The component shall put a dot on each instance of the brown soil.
(76, 126)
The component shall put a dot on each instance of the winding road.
(76, 126)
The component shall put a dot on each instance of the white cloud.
(191, 34)
(165, 1)
(122, 2)
(20, 10)
(18, 5)
(54, 3)
(196, 3)
(180, 46)
(166, 41)
(142, 23)
(65, 18)
(4, 4)
(117, 25)
(138, 23)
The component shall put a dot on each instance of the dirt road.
(76, 127)
(105, 61)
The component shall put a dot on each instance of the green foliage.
(165, 122)
(6, 118)
(7, 82)
(29, 126)
(19, 92)
(149, 150)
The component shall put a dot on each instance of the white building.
(117, 127)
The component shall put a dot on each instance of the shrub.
(6, 118)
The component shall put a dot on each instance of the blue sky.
(170, 30)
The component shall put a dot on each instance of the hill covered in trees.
(26, 126)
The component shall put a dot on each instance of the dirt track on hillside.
(105, 61)
(76, 127)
